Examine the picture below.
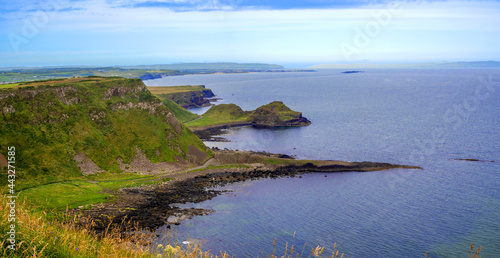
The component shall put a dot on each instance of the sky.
(293, 33)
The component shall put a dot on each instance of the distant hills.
(477, 64)
(144, 72)
(206, 66)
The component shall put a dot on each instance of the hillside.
(65, 128)
(274, 114)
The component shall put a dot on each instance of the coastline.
(152, 206)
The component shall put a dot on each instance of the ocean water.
(420, 117)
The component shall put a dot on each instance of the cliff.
(87, 125)
(185, 96)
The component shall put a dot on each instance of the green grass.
(69, 194)
(179, 112)
(10, 85)
(221, 114)
(86, 190)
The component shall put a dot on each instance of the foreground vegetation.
(40, 234)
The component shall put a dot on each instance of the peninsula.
(223, 116)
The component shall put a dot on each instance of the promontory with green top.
(274, 114)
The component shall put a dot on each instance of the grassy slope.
(47, 133)
(220, 114)
(179, 112)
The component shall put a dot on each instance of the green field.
(80, 191)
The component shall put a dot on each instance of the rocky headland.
(185, 96)
(223, 116)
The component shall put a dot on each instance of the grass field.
(23, 75)
(85, 190)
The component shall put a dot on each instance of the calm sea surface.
(427, 118)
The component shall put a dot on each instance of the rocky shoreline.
(150, 207)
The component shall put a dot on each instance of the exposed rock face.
(149, 106)
(66, 95)
(86, 165)
(192, 99)
(195, 155)
(143, 165)
(121, 91)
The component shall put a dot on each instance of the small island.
(353, 71)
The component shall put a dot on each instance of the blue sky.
(293, 33)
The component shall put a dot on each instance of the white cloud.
(314, 34)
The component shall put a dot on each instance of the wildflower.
(160, 246)
(172, 250)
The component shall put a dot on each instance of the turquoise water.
(427, 118)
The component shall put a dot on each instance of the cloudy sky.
(293, 33)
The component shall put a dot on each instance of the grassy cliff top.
(160, 90)
(165, 93)
(55, 82)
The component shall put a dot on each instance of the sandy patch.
(3, 161)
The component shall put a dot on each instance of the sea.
(432, 118)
